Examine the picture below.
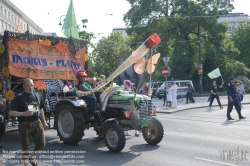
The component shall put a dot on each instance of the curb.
(224, 105)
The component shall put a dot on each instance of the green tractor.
(124, 111)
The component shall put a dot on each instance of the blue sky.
(47, 13)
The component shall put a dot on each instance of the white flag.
(215, 73)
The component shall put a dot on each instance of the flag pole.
(222, 78)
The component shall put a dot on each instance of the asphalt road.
(192, 138)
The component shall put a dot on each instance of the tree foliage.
(177, 22)
(106, 55)
(241, 38)
(83, 34)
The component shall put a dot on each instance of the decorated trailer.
(47, 59)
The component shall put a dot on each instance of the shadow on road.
(228, 122)
(144, 148)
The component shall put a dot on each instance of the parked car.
(154, 86)
(181, 84)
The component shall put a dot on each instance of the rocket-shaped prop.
(151, 42)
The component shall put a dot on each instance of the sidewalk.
(200, 102)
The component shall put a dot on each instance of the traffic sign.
(165, 72)
(200, 69)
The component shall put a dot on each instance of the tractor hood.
(127, 96)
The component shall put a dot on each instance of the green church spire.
(70, 27)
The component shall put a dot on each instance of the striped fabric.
(104, 98)
(52, 86)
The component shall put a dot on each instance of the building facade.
(234, 20)
(49, 34)
(121, 30)
(14, 20)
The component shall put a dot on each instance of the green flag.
(70, 27)
(215, 73)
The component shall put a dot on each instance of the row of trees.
(177, 22)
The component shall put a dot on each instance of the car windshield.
(163, 85)
(155, 86)
(184, 83)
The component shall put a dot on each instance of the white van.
(181, 84)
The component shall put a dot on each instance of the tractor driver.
(84, 85)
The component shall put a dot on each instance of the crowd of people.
(235, 94)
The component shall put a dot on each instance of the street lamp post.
(166, 60)
(200, 70)
(60, 24)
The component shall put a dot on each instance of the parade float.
(46, 59)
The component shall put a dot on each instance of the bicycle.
(179, 97)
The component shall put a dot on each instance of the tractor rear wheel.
(70, 124)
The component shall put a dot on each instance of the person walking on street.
(232, 100)
(189, 95)
(214, 94)
(28, 107)
(209, 98)
(174, 94)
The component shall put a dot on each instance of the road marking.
(54, 140)
(212, 161)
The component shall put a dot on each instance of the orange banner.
(36, 60)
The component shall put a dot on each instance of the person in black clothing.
(2, 119)
(189, 95)
(28, 107)
(232, 100)
(214, 94)
(165, 94)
